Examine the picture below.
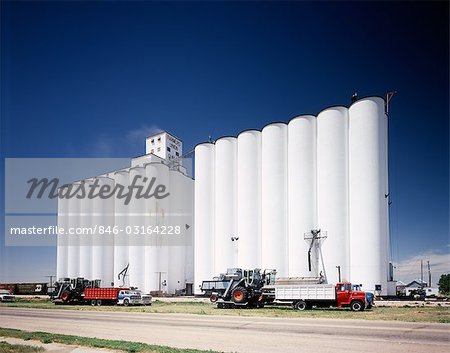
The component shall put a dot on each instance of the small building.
(418, 287)
(164, 145)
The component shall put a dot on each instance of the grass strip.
(405, 313)
(126, 346)
(6, 347)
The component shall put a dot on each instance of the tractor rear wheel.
(65, 296)
(239, 295)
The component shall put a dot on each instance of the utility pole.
(421, 274)
(339, 272)
(50, 280)
(161, 284)
(429, 274)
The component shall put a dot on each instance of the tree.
(444, 284)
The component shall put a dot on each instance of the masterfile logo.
(144, 188)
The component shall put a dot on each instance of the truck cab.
(347, 297)
(128, 297)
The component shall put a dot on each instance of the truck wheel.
(357, 305)
(65, 296)
(99, 302)
(239, 295)
(93, 302)
(213, 298)
(300, 305)
(126, 302)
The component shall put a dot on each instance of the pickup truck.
(133, 297)
(6, 297)
(307, 296)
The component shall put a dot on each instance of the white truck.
(306, 296)
(5, 296)
(127, 297)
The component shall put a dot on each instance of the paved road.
(237, 334)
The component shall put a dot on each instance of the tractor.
(71, 290)
(238, 288)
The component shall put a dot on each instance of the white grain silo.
(62, 239)
(106, 219)
(225, 184)
(73, 248)
(302, 193)
(249, 199)
(86, 222)
(162, 211)
(135, 222)
(274, 211)
(188, 209)
(176, 218)
(121, 179)
(332, 191)
(151, 281)
(368, 188)
(204, 214)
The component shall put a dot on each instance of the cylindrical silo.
(121, 179)
(151, 277)
(188, 210)
(177, 218)
(302, 144)
(162, 220)
(135, 222)
(103, 239)
(274, 236)
(73, 249)
(249, 199)
(62, 248)
(86, 239)
(108, 221)
(225, 186)
(332, 192)
(204, 214)
(368, 188)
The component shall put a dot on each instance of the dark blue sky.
(90, 79)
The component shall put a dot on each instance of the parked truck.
(82, 291)
(307, 296)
